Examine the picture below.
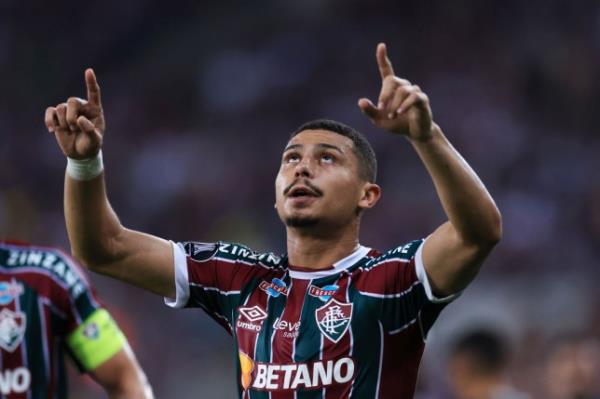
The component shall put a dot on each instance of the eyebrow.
(320, 145)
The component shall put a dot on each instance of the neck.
(318, 250)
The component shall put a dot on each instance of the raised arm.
(98, 240)
(453, 253)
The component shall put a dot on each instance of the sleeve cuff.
(424, 279)
(182, 287)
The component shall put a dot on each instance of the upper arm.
(142, 260)
(122, 377)
(450, 262)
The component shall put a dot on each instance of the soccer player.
(331, 318)
(48, 308)
(478, 365)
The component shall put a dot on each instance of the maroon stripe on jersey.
(390, 277)
(400, 365)
(223, 274)
(343, 347)
(251, 317)
(284, 348)
(48, 287)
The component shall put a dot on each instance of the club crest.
(91, 331)
(12, 329)
(333, 319)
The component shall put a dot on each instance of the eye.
(291, 158)
(327, 158)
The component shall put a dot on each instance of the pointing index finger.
(93, 89)
(384, 63)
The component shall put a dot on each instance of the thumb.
(368, 108)
(85, 125)
(88, 128)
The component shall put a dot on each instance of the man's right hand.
(78, 124)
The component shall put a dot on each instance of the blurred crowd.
(200, 99)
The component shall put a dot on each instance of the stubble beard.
(301, 222)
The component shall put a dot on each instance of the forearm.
(92, 225)
(130, 391)
(130, 384)
(467, 203)
(122, 377)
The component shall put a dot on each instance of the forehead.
(316, 137)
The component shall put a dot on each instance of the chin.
(301, 221)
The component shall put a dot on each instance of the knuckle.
(390, 80)
(401, 92)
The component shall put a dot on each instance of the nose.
(304, 169)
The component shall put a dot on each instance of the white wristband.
(85, 169)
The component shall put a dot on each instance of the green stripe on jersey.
(33, 344)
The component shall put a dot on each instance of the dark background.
(200, 98)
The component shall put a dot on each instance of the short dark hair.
(487, 349)
(367, 162)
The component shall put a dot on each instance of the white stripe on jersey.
(380, 360)
(338, 266)
(398, 295)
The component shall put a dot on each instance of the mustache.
(308, 184)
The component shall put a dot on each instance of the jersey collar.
(337, 267)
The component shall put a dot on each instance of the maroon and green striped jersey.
(44, 297)
(354, 330)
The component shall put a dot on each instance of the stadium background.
(200, 98)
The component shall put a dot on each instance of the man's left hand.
(402, 107)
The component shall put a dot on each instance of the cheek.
(279, 187)
(345, 193)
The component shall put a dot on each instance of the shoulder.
(46, 263)
(403, 253)
(230, 252)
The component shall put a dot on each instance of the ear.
(370, 195)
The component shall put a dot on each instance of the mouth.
(301, 191)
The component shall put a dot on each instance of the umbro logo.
(254, 313)
(251, 318)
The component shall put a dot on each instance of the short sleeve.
(213, 276)
(182, 288)
(399, 288)
(424, 279)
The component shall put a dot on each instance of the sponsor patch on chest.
(9, 290)
(288, 329)
(293, 376)
(324, 293)
(274, 288)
